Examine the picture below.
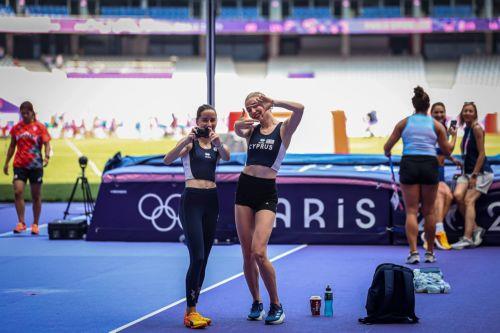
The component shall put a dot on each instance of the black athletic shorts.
(419, 169)
(35, 176)
(256, 193)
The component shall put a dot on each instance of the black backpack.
(391, 297)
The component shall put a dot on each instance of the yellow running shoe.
(20, 227)
(194, 320)
(34, 229)
(208, 320)
(442, 241)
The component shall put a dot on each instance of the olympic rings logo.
(160, 208)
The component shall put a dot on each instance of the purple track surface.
(471, 306)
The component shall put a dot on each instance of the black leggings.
(199, 211)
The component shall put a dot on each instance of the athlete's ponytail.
(420, 100)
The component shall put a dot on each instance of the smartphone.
(202, 132)
(453, 123)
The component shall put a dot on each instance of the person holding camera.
(444, 195)
(256, 195)
(476, 179)
(27, 138)
(199, 206)
(419, 170)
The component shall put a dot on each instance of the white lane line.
(171, 305)
(10, 233)
(79, 153)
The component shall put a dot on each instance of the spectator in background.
(371, 119)
(59, 61)
(27, 138)
(2, 52)
(174, 123)
(476, 179)
(444, 196)
(113, 127)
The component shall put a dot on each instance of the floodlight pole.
(210, 54)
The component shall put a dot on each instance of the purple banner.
(311, 213)
(148, 26)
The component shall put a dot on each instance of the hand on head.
(266, 102)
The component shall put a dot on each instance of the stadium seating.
(381, 12)
(456, 11)
(47, 10)
(357, 85)
(479, 70)
(177, 13)
(118, 65)
(234, 13)
(311, 12)
(390, 68)
(6, 10)
(124, 11)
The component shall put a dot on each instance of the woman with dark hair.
(419, 170)
(476, 179)
(199, 206)
(256, 196)
(444, 195)
(28, 136)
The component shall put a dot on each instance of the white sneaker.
(462, 243)
(430, 257)
(413, 258)
(477, 236)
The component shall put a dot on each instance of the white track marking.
(79, 153)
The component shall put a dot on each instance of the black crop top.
(200, 163)
(267, 150)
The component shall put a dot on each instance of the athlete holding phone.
(199, 208)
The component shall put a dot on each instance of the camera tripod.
(88, 201)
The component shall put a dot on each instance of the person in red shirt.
(27, 138)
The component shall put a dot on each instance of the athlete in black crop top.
(199, 207)
(256, 196)
(476, 180)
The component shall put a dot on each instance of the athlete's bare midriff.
(200, 183)
(260, 171)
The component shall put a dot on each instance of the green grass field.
(63, 169)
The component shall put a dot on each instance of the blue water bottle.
(328, 302)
